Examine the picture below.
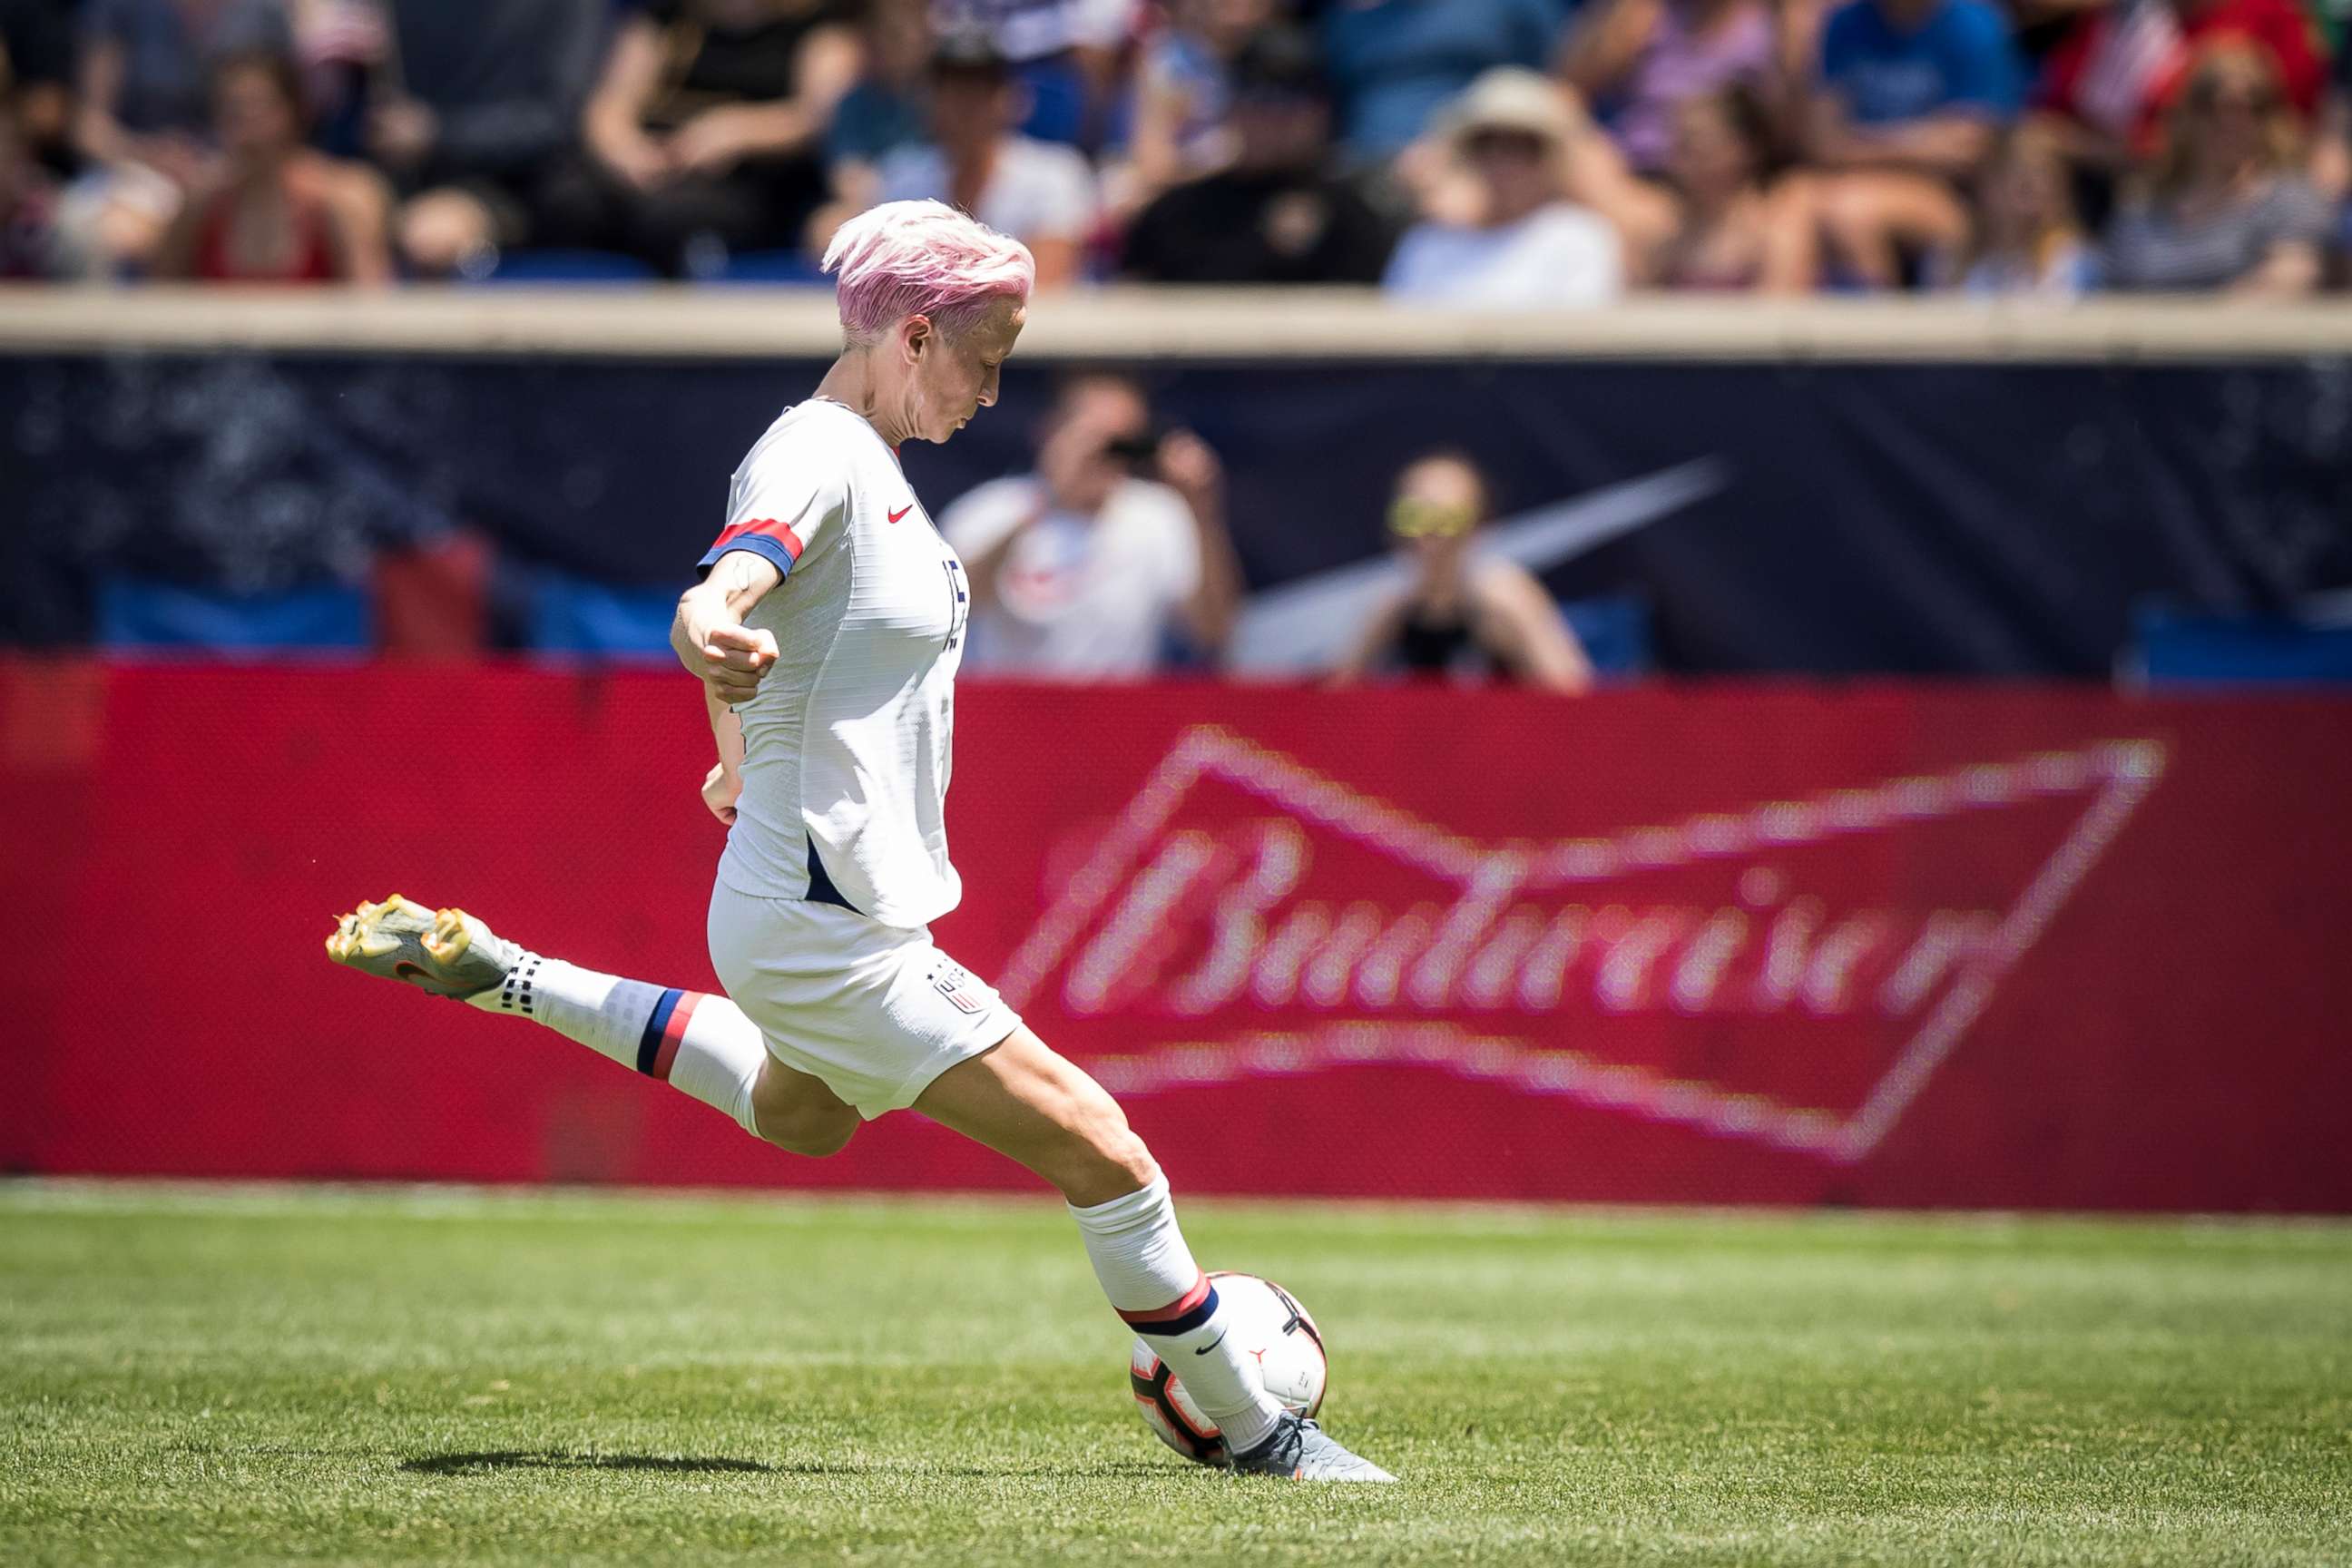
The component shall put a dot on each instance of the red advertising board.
(1878, 945)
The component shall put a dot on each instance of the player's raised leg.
(700, 1045)
(1033, 1105)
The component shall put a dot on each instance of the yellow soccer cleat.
(448, 954)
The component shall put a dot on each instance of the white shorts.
(874, 1011)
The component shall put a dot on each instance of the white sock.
(701, 1045)
(1153, 1282)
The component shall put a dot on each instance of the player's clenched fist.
(735, 659)
(722, 788)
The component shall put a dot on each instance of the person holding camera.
(1111, 560)
(1463, 614)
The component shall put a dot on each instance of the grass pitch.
(409, 1377)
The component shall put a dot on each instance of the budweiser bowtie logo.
(1247, 916)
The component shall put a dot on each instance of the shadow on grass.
(545, 1459)
(1105, 1469)
(548, 1459)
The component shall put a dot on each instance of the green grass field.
(408, 1377)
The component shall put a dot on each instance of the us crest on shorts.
(954, 982)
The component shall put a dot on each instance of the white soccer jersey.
(847, 742)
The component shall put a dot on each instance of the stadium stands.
(1720, 146)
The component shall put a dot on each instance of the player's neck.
(850, 383)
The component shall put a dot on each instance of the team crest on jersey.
(951, 980)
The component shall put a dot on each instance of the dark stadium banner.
(1875, 946)
(1977, 519)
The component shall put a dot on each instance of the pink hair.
(922, 259)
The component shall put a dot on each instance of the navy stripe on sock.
(649, 1043)
(1183, 1324)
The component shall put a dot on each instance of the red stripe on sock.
(1176, 1308)
(674, 1034)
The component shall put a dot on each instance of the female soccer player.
(827, 632)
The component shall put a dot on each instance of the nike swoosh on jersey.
(902, 511)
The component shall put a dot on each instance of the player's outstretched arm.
(709, 635)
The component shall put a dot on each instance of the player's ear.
(918, 336)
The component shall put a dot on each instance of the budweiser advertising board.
(1886, 945)
(1877, 946)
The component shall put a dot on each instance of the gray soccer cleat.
(1300, 1450)
(449, 954)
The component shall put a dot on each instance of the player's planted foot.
(1300, 1450)
(449, 954)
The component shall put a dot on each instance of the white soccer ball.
(1269, 1323)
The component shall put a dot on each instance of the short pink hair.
(922, 259)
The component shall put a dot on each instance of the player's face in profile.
(956, 377)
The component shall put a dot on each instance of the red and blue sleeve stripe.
(769, 538)
(1181, 1316)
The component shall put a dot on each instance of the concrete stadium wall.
(1181, 324)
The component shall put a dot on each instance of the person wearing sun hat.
(1526, 245)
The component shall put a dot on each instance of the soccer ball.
(1272, 1326)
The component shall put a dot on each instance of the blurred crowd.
(1110, 560)
(1502, 153)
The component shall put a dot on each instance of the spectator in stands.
(271, 210)
(1745, 226)
(2028, 239)
(1912, 95)
(884, 110)
(707, 125)
(2226, 205)
(1063, 55)
(1182, 96)
(1114, 548)
(345, 49)
(1526, 245)
(1638, 61)
(2117, 72)
(1279, 214)
(481, 113)
(1041, 193)
(140, 114)
(143, 72)
(1395, 63)
(37, 76)
(1463, 613)
(2331, 152)
(29, 240)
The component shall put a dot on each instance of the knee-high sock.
(1149, 1274)
(701, 1045)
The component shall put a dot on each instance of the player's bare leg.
(1019, 1099)
(700, 1045)
(796, 1111)
(1043, 1112)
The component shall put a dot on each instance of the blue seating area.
(2177, 650)
(1615, 632)
(592, 269)
(571, 267)
(790, 267)
(572, 618)
(135, 615)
